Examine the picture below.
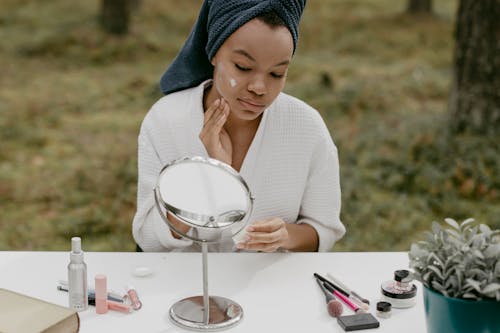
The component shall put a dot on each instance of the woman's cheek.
(230, 80)
(226, 83)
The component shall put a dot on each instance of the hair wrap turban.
(217, 20)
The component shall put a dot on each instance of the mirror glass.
(207, 195)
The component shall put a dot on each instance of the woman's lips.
(250, 105)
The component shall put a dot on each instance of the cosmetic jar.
(384, 309)
(400, 292)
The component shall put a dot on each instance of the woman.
(224, 100)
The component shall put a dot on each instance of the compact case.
(358, 322)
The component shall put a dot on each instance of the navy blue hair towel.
(218, 19)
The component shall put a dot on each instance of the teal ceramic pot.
(446, 314)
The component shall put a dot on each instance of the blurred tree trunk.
(475, 93)
(115, 16)
(419, 6)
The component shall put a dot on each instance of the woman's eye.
(241, 68)
(277, 76)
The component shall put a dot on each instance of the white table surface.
(277, 291)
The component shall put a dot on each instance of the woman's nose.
(257, 85)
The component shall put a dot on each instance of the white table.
(277, 291)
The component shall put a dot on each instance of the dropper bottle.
(77, 277)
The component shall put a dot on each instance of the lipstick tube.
(134, 298)
(101, 302)
(116, 306)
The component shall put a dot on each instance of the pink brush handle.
(347, 301)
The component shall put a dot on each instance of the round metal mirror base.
(188, 313)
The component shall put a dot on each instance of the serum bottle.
(77, 277)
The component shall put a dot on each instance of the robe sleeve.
(150, 232)
(320, 206)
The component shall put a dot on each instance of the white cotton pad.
(141, 271)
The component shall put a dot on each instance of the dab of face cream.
(232, 82)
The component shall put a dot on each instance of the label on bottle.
(77, 286)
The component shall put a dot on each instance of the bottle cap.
(402, 275)
(76, 254)
(384, 306)
(76, 245)
(100, 286)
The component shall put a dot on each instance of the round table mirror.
(211, 200)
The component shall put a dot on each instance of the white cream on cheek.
(221, 72)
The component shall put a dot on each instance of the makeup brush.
(334, 307)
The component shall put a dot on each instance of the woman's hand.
(266, 236)
(181, 226)
(271, 234)
(213, 135)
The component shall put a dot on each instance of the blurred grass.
(72, 99)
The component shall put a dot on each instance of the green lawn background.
(72, 99)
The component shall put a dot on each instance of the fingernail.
(250, 228)
(247, 238)
(240, 246)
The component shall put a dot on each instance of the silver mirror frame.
(186, 216)
(190, 313)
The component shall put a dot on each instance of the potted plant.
(459, 267)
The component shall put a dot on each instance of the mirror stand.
(190, 312)
(209, 197)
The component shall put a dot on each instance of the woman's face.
(251, 67)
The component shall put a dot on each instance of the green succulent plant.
(461, 261)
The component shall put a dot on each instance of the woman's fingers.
(268, 225)
(261, 247)
(214, 119)
(221, 118)
(214, 137)
(214, 111)
(211, 109)
(266, 236)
